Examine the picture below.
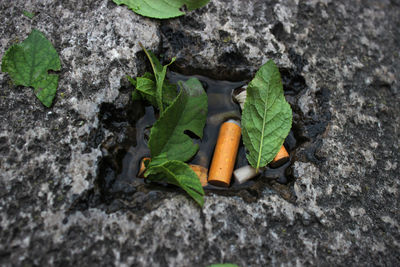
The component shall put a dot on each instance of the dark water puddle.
(123, 135)
(122, 153)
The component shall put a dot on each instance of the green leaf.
(28, 64)
(188, 112)
(159, 73)
(136, 96)
(161, 9)
(131, 80)
(146, 88)
(180, 174)
(266, 117)
(28, 14)
(169, 93)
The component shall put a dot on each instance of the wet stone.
(335, 204)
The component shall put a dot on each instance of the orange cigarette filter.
(142, 168)
(280, 158)
(201, 173)
(225, 154)
(199, 170)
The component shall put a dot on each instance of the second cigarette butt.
(280, 158)
(199, 170)
(201, 173)
(142, 167)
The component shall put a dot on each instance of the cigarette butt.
(280, 158)
(201, 173)
(142, 168)
(225, 154)
(199, 170)
(239, 95)
(244, 174)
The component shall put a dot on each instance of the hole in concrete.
(125, 133)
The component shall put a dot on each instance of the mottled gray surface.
(347, 189)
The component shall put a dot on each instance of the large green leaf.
(161, 9)
(188, 112)
(28, 64)
(180, 174)
(266, 117)
(159, 72)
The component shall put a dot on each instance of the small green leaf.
(161, 9)
(28, 14)
(266, 117)
(28, 64)
(180, 174)
(159, 72)
(136, 96)
(188, 112)
(146, 88)
(131, 80)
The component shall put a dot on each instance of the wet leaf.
(28, 64)
(266, 117)
(159, 73)
(188, 112)
(162, 9)
(180, 174)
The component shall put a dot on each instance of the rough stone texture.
(346, 207)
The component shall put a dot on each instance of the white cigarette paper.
(241, 97)
(244, 174)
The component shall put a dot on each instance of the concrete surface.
(342, 207)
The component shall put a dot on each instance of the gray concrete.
(343, 207)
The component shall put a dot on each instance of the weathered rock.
(344, 55)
